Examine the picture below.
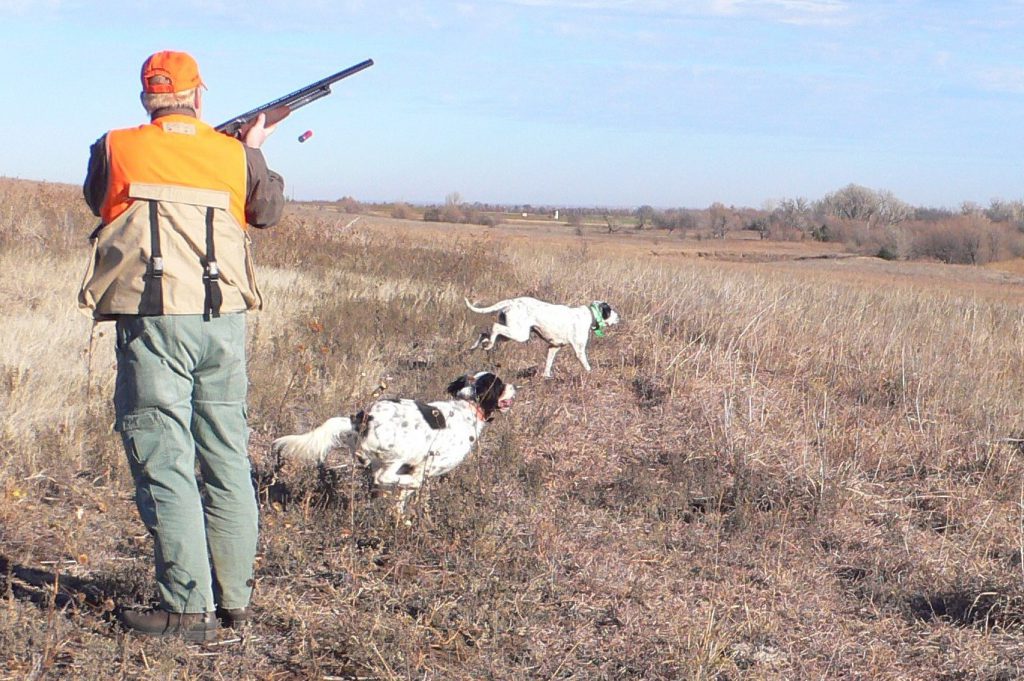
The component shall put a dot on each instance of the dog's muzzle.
(508, 397)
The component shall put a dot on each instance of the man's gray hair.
(168, 100)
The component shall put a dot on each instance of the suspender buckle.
(214, 297)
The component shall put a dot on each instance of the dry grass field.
(785, 465)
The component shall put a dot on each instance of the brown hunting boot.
(192, 626)
(232, 618)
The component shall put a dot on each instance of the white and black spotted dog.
(404, 441)
(558, 325)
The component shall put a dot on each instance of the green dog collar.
(599, 324)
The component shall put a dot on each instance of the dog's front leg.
(398, 474)
(404, 495)
(581, 354)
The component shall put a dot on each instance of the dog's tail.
(500, 305)
(317, 443)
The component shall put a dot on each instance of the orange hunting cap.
(179, 71)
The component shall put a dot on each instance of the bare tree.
(852, 202)
(891, 210)
(970, 208)
(644, 216)
(794, 214)
(1005, 211)
(762, 225)
(719, 216)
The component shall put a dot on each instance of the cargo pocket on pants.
(141, 432)
(143, 436)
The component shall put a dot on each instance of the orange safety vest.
(174, 150)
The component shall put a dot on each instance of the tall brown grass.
(776, 470)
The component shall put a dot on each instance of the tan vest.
(155, 257)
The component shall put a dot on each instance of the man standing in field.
(172, 269)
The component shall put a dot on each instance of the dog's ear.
(606, 310)
(488, 389)
(457, 387)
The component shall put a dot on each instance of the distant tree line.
(867, 221)
(879, 223)
(872, 222)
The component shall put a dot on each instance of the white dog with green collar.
(558, 325)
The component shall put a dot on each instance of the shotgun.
(282, 106)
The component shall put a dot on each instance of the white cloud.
(1008, 79)
(623, 5)
(28, 7)
(823, 12)
(724, 7)
(802, 12)
(811, 6)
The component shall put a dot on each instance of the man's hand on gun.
(259, 132)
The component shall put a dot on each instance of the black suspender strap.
(211, 273)
(152, 301)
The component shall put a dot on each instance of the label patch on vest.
(179, 127)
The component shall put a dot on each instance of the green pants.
(180, 400)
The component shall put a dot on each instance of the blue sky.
(555, 102)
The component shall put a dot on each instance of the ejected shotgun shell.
(305, 136)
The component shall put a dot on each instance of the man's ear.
(198, 102)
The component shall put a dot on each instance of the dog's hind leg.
(512, 333)
(484, 337)
(485, 341)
